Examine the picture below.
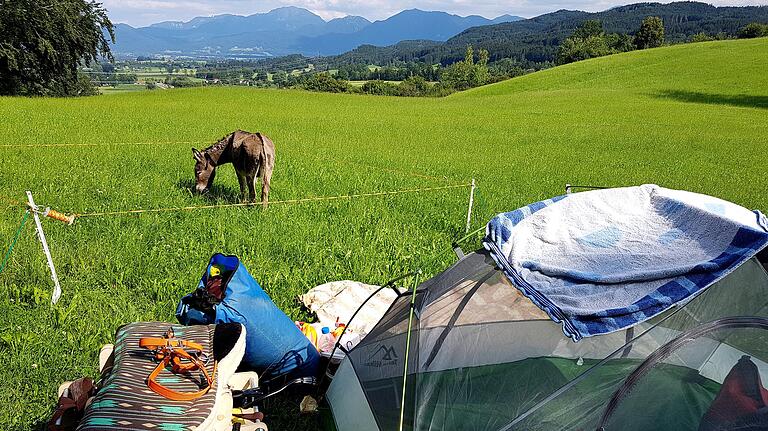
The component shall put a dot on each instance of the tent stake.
(408, 345)
(471, 202)
(41, 235)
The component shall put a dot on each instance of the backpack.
(227, 293)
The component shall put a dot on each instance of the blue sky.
(145, 12)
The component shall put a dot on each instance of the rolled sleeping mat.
(126, 402)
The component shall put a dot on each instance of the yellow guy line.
(288, 201)
(95, 144)
(10, 201)
(390, 170)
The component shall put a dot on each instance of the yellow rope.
(94, 144)
(9, 201)
(390, 170)
(288, 201)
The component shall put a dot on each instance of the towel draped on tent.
(605, 260)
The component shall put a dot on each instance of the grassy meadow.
(690, 116)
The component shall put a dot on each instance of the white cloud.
(145, 12)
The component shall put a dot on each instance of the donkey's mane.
(223, 142)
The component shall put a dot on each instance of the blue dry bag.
(228, 294)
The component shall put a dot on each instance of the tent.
(494, 343)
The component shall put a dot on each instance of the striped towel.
(605, 260)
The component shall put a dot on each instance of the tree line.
(590, 40)
(414, 81)
(535, 42)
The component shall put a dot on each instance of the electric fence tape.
(283, 202)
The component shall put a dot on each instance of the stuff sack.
(227, 293)
(741, 404)
(72, 402)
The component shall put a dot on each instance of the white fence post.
(471, 203)
(41, 235)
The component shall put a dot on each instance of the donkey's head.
(205, 171)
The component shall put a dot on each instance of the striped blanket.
(125, 403)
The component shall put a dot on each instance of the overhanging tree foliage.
(42, 43)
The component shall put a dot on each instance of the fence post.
(471, 203)
(41, 236)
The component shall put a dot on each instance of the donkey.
(252, 154)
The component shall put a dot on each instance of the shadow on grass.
(740, 100)
(39, 425)
(217, 193)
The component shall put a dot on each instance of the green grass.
(692, 117)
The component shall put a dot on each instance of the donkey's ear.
(197, 155)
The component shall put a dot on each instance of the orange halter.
(171, 350)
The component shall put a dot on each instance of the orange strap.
(172, 351)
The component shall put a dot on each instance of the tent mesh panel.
(483, 357)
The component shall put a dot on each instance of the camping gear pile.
(339, 301)
(227, 293)
(616, 309)
(163, 376)
(621, 309)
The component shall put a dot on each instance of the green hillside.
(722, 67)
(691, 116)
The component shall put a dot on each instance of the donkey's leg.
(252, 188)
(242, 180)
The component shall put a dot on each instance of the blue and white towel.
(605, 260)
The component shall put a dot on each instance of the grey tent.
(485, 355)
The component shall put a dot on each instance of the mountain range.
(534, 41)
(288, 30)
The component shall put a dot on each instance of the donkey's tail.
(263, 162)
(265, 169)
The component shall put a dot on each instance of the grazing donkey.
(252, 154)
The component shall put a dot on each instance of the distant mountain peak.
(291, 29)
(347, 24)
(291, 11)
(289, 8)
(351, 18)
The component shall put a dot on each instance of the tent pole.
(41, 235)
(408, 346)
(388, 285)
(471, 202)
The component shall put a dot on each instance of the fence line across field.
(379, 168)
(206, 143)
(38, 211)
(283, 202)
(97, 144)
(9, 201)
